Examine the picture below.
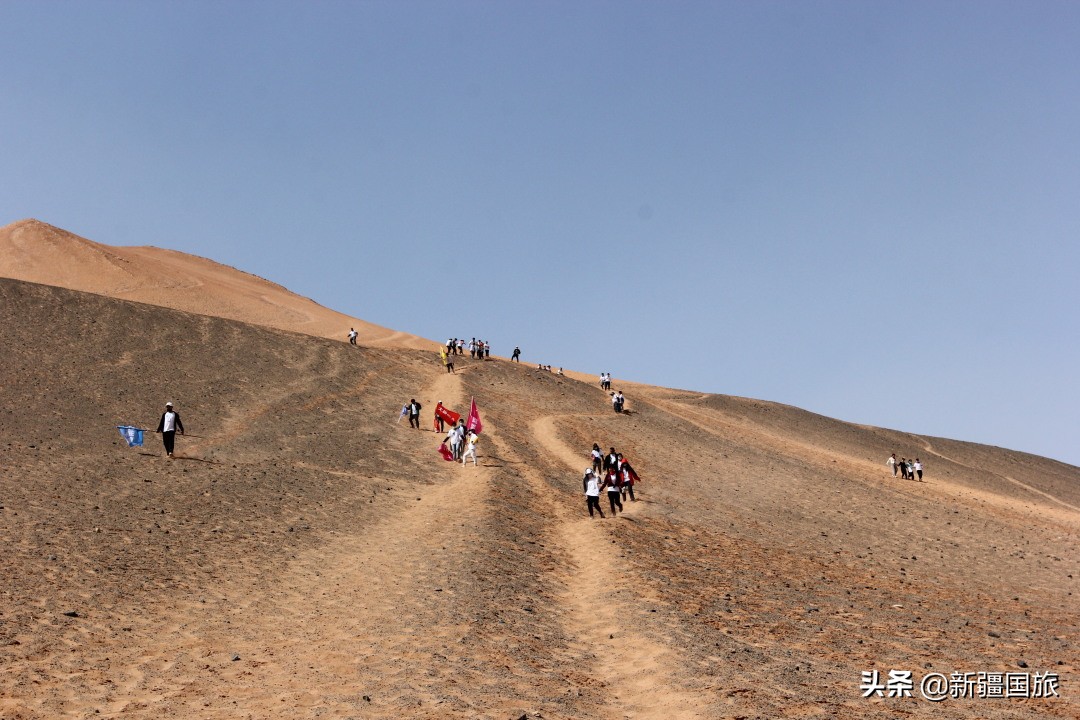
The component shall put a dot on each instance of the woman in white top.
(592, 491)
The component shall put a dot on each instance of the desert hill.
(38, 252)
(307, 555)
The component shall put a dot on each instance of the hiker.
(891, 462)
(440, 424)
(611, 482)
(597, 458)
(414, 414)
(352, 336)
(168, 427)
(629, 478)
(918, 468)
(516, 357)
(903, 468)
(910, 467)
(610, 459)
(448, 361)
(470, 448)
(455, 436)
(591, 486)
(472, 348)
(617, 400)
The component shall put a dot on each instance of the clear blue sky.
(870, 210)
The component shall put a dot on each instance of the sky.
(870, 210)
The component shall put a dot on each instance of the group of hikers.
(908, 469)
(618, 401)
(609, 472)
(462, 443)
(456, 346)
(477, 348)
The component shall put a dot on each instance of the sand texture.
(308, 555)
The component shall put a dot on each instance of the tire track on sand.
(601, 613)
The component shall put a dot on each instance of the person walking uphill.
(168, 427)
(414, 414)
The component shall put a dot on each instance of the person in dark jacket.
(168, 427)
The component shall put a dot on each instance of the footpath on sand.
(609, 645)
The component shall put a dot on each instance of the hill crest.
(36, 251)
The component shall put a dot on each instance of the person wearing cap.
(168, 426)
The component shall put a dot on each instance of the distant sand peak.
(36, 251)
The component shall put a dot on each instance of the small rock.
(367, 698)
(235, 657)
(994, 634)
(72, 613)
(1021, 663)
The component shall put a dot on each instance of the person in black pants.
(168, 425)
(414, 414)
(611, 482)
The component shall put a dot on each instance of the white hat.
(168, 404)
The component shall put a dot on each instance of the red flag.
(447, 414)
(445, 452)
(473, 423)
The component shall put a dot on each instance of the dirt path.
(357, 612)
(609, 646)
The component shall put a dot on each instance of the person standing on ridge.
(352, 336)
(168, 427)
(516, 357)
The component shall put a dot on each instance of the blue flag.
(133, 435)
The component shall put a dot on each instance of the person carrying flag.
(168, 426)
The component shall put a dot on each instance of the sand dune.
(307, 555)
(37, 252)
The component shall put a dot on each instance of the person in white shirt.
(471, 449)
(455, 436)
(918, 468)
(168, 427)
(352, 336)
(597, 458)
(892, 462)
(592, 491)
